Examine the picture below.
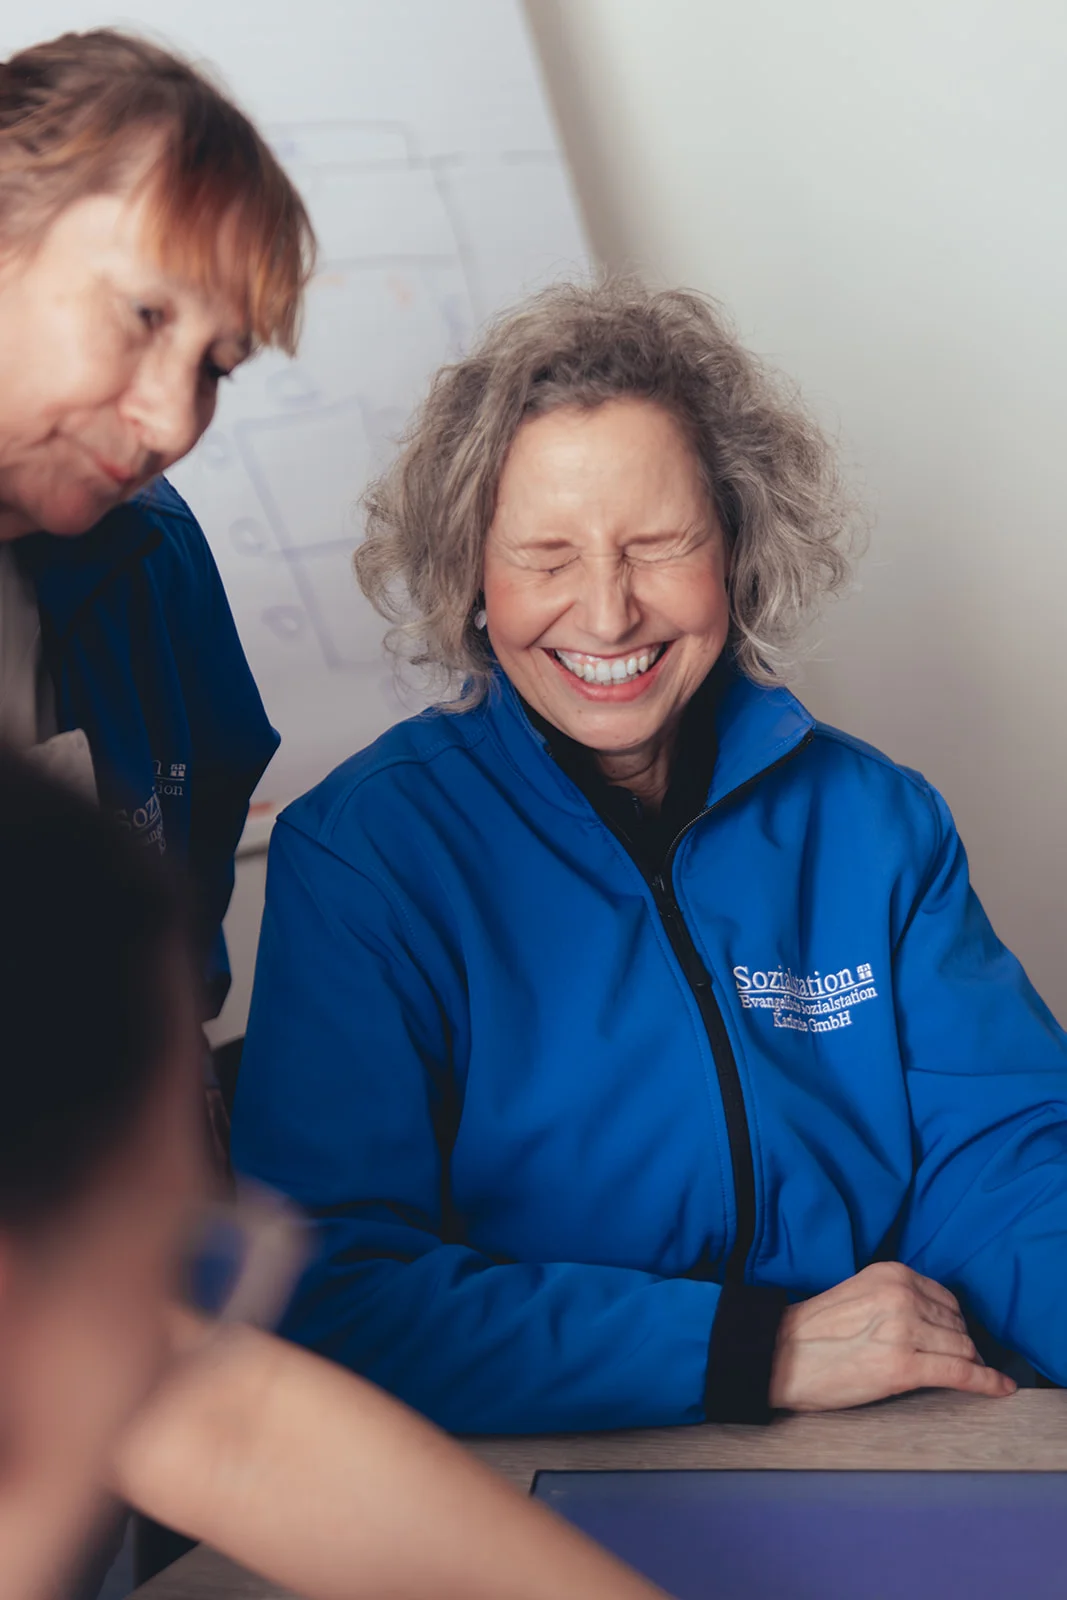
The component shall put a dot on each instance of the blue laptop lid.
(827, 1535)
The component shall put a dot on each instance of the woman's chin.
(606, 723)
(68, 517)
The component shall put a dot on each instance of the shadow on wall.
(567, 71)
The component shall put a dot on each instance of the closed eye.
(153, 317)
(649, 552)
(652, 558)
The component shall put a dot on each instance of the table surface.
(934, 1430)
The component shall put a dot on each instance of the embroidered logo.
(145, 823)
(170, 778)
(819, 1003)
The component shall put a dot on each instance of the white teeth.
(620, 669)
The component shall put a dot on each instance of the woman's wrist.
(778, 1392)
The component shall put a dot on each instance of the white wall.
(877, 190)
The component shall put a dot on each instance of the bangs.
(104, 111)
(225, 217)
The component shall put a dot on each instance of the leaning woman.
(637, 1041)
(149, 242)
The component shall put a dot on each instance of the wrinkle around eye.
(540, 565)
(677, 549)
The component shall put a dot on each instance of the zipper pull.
(695, 971)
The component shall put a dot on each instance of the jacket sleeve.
(986, 1068)
(343, 1103)
(232, 743)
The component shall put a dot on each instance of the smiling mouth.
(607, 670)
(117, 475)
(123, 477)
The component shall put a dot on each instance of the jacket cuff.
(741, 1353)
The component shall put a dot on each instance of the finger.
(953, 1372)
(935, 1291)
(939, 1314)
(935, 1341)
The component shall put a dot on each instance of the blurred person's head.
(149, 241)
(100, 1155)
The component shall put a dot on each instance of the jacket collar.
(68, 573)
(756, 727)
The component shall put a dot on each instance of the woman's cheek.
(518, 614)
(694, 599)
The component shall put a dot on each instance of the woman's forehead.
(214, 268)
(630, 450)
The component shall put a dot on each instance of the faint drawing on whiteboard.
(391, 288)
(414, 253)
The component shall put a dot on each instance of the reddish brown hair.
(88, 113)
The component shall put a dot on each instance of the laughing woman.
(637, 1041)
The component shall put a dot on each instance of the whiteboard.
(419, 134)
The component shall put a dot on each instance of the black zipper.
(722, 1054)
(722, 1051)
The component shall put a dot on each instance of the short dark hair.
(86, 992)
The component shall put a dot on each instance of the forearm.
(325, 1485)
(517, 1347)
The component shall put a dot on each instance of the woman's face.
(84, 1329)
(111, 367)
(605, 574)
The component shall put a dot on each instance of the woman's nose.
(608, 608)
(164, 403)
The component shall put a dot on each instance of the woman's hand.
(883, 1332)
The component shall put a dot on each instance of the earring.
(480, 619)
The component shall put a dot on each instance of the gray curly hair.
(771, 474)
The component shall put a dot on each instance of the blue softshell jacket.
(141, 646)
(542, 1109)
